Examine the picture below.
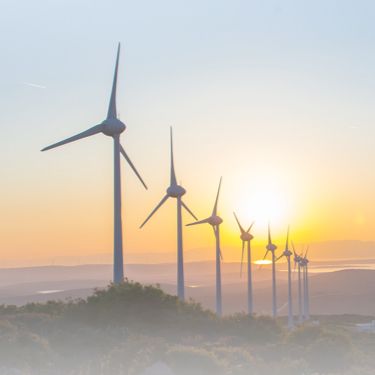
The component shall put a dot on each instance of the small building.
(158, 368)
(366, 327)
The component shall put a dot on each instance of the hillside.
(136, 329)
(343, 291)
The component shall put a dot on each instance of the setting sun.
(268, 205)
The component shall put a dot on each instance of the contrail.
(34, 85)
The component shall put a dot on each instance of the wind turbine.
(272, 248)
(287, 254)
(297, 262)
(306, 304)
(175, 191)
(111, 127)
(246, 238)
(214, 220)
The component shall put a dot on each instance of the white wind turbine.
(111, 127)
(272, 248)
(306, 302)
(246, 238)
(297, 262)
(175, 191)
(214, 220)
(287, 254)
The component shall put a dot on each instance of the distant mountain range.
(350, 291)
(327, 250)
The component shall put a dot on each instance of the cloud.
(34, 85)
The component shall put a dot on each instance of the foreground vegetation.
(128, 328)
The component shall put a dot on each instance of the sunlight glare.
(263, 262)
(268, 205)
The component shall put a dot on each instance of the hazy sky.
(275, 96)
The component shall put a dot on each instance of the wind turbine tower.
(306, 302)
(297, 263)
(287, 254)
(111, 127)
(214, 220)
(175, 191)
(246, 238)
(272, 248)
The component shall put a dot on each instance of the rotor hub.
(288, 253)
(113, 126)
(246, 236)
(271, 247)
(176, 191)
(303, 262)
(215, 220)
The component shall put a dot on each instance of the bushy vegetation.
(131, 329)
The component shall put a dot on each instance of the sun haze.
(285, 116)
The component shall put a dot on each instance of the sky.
(275, 96)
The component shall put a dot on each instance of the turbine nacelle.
(113, 127)
(271, 247)
(176, 191)
(297, 258)
(246, 236)
(304, 262)
(287, 253)
(214, 220)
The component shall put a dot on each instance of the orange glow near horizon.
(293, 140)
(52, 222)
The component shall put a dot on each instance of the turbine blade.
(279, 257)
(239, 225)
(154, 210)
(248, 230)
(125, 155)
(294, 250)
(265, 255)
(204, 221)
(269, 234)
(307, 251)
(243, 249)
(112, 111)
(87, 133)
(188, 210)
(295, 253)
(173, 173)
(287, 240)
(214, 211)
